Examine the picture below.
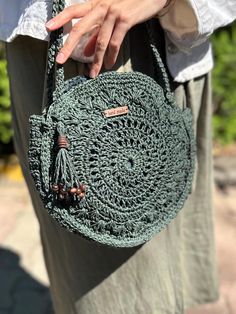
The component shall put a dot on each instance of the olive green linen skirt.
(170, 273)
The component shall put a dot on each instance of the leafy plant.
(224, 85)
(5, 115)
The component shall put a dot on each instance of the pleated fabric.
(170, 273)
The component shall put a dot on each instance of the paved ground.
(24, 282)
(225, 230)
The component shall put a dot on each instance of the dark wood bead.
(64, 191)
(55, 188)
(82, 187)
(61, 197)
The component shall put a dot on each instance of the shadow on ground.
(20, 293)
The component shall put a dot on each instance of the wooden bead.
(62, 142)
(61, 197)
(64, 191)
(81, 195)
(55, 187)
(78, 191)
(82, 187)
(73, 190)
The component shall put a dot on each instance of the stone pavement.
(23, 278)
(225, 231)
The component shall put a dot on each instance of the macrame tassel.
(65, 185)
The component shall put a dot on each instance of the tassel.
(65, 185)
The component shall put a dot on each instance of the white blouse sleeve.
(188, 23)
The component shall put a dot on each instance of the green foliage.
(224, 85)
(5, 115)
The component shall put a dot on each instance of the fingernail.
(50, 23)
(60, 57)
(92, 73)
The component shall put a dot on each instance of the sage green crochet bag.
(112, 157)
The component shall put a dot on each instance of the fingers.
(113, 18)
(112, 24)
(116, 40)
(102, 42)
(85, 25)
(73, 11)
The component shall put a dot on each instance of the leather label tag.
(116, 111)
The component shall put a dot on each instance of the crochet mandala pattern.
(137, 167)
(112, 157)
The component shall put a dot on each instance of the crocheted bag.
(112, 157)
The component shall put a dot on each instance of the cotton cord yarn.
(115, 180)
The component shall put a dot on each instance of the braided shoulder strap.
(55, 72)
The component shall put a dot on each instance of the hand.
(111, 18)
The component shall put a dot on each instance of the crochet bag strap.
(55, 72)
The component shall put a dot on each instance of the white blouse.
(187, 25)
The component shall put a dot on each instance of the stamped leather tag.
(118, 111)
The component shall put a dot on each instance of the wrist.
(165, 9)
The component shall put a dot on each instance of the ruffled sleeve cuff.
(189, 23)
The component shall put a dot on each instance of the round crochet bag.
(112, 157)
